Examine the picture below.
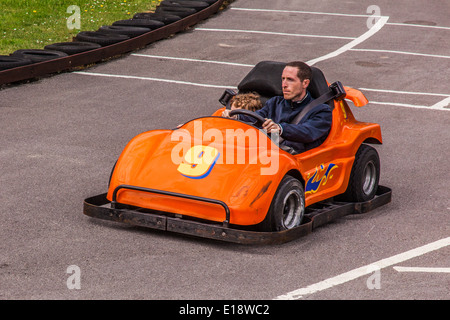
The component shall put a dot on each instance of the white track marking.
(417, 25)
(400, 104)
(339, 15)
(153, 79)
(441, 104)
(365, 270)
(193, 60)
(406, 92)
(303, 12)
(402, 52)
(422, 269)
(377, 27)
(274, 33)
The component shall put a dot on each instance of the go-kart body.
(217, 177)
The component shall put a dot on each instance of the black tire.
(287, 209)
(210, 2)
(178, 11)
(103, 39)
(38, 55)
(196, 5)
(73, 47)
(143, 23)
(9, 62)
(126, 30)
(164, 18)
(363, 183)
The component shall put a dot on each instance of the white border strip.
(377, 27)
(362, 271)
(153, 79)
(274, 33)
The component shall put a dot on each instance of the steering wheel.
(259, 120)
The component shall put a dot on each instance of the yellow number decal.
(198, 161)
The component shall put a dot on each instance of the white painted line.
(193, 60)
(406, 92)
(442, 104)
(153, 79)
(408, 105)
(274, 33)
(422, 269)
(402, 52)
(377, 27)
(417, 25)
(340, 15)
(365, 270)
(303, 12)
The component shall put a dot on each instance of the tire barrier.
(103, 39)
(164, 18)
(8, 62)
(143, 23)
(72, 47)
(129, 31)
(38, 55)
(123, 36)
(196, 5)
(178, 11)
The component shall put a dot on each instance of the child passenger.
(250, 101)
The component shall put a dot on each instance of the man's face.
(293, 88)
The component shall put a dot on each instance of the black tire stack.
(167, 12)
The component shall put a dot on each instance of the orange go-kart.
(226, 179)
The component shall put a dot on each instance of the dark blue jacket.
(312, 130)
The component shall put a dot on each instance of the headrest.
(265, 79)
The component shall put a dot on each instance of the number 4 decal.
(198, 161)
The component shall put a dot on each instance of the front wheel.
(287, 208)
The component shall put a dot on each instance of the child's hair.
(250, 101)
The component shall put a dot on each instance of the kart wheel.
(287, 208)
(364, 177)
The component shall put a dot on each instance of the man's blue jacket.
(312, 130)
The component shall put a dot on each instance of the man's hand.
(269, 126)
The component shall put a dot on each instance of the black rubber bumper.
(316, 215)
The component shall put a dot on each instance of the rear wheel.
(363, 183)
(287, 208)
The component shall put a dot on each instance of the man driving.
(279, 112)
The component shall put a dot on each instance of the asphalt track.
(61, 135)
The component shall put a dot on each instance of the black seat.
(265, 79)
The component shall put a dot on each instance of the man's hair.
(250, 101)
(304, 71)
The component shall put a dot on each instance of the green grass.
(33, 24)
